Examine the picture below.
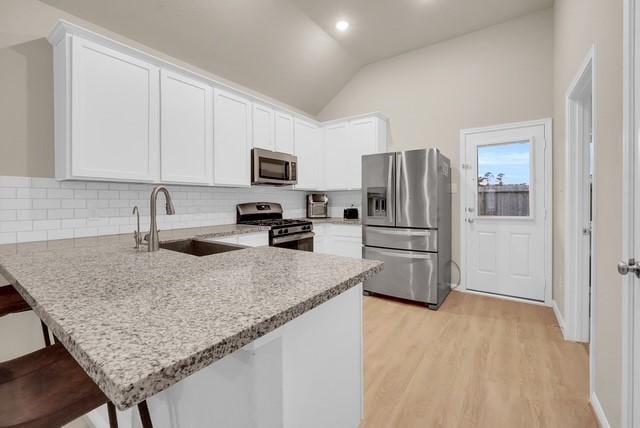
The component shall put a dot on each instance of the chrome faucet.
(153, 237)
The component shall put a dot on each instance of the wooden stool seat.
(11, 301)
(45, 388)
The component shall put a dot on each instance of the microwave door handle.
(289, 171)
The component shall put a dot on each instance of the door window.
(504, 179)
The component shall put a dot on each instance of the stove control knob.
(285, 231)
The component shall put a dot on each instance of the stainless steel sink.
(199, 248)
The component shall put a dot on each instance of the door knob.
(630, 266)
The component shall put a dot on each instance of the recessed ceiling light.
(342, 25)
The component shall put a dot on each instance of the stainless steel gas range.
(284, 233)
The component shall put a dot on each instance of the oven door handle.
(294, 237)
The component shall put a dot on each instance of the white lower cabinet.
(338, 239)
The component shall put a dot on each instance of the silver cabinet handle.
(630, 266)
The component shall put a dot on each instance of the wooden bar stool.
(48, 388)
(11, 302)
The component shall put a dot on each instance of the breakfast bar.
(250, 334)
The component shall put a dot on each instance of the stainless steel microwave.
(275, 168)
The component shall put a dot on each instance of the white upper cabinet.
(366, 136)
(337, 159)
(232, 139)
(186, 140)
(263, 121)
(125, 115)
(310, 153)
(283, 127)
(107, 120)
(345, 144)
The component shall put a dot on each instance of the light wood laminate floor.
(477, 362)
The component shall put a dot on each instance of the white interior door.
(505, 214)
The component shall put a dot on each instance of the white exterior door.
(505, 179)
(186, 148)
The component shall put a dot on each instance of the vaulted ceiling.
(289, 49)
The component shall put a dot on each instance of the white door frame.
(548, 171)
(630, 217)
(576, 320)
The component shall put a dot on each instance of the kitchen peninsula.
(252, 337)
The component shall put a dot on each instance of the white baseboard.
(599, 411)
(559, 317)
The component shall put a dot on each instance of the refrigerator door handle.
(399, 198)
(408, 255)
(390, 192)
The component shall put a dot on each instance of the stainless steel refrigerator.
(406, 223)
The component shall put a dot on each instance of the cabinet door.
(310, 153)
(263, 127)
(114, 115)
(339, 157)
(283, 125)
(258, 239)
(232, 139)
(363, 140)
(186, 140)
(308, 143)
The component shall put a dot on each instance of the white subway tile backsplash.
(108, 194)
(46, 224)
(73, 185)
(16, 226)
(85, 231)
(7, 192)
(8, 215)
(97, 203)
(85, 194)
(60, 213)
(46, 203)
(97, 185)
(37, 235)
(29, 192)
(130, 194)
(73, 203)
(77, 208)
(119, 186)
(44, 183)
(10, 181)
(8, 237)
(60, 193)
(30, 214)
(73, 223)
(15, 204)
(59, 234)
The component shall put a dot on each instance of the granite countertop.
(139, 322)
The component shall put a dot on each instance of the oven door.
(269, 167)
(299, 241)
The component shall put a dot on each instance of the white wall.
(496, 75)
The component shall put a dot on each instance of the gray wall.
(579, 24)
(478, 79)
